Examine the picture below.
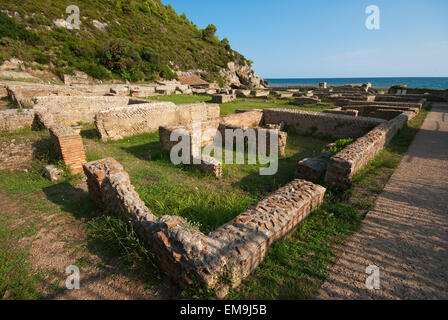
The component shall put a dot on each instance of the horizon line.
(286, 78)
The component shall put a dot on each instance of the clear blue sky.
(328, 38)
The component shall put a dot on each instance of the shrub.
(122, 57)
(39, 57)
(209, 32)
(9, 28)
(94, 70)
(341, 144)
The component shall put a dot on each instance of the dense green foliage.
(141, 39)
(341, 144)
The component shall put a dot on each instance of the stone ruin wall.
(344, 165)
(69, 110)
(14, 119)
(117, 123)
(323, 124)
(347, 102)
(206, 139)
(247, 119)
(231, 252)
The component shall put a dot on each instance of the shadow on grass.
(110, 238)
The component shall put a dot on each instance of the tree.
(209, 32)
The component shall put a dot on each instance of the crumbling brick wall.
(187, 255)
(69, 145)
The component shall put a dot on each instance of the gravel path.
(406, 234)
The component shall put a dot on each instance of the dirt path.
(57, 241)
(406, 234)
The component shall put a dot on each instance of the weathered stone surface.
(52, 173)
(15, 155)
(348, 102)
(43, 120)
(248, 119)
(143, 92)
(354, 157)
(208, 165)
(284, 95)
(117, 123)
(347, 112)
(335, 126)
(15, 119)
(69, 110)
(223, 98)
(260, 93)
(206, 130)
(243, 93)
(312, 169)
(306, 100)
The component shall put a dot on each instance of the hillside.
(136, 40)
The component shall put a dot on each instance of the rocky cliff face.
(242, 76)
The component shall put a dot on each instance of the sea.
(429, 83)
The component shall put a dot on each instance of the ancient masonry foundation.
(68, 144)
(223, 258)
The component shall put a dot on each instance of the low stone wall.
(399, 98)
(379, 111)
(69, 110)
(231, 252)
(281, 143)
(15, 119)
(354, 157)
(68, 144)
(25, 92)
(335, 126)
(205, 139)
(248, 119)
(117, 123)
(348, 112)
(260, 93)
(303, 100)
(223, 98)
(345, 102)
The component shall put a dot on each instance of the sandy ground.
(406, 234)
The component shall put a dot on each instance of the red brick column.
(69, 145)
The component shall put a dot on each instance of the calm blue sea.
(430, 83)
